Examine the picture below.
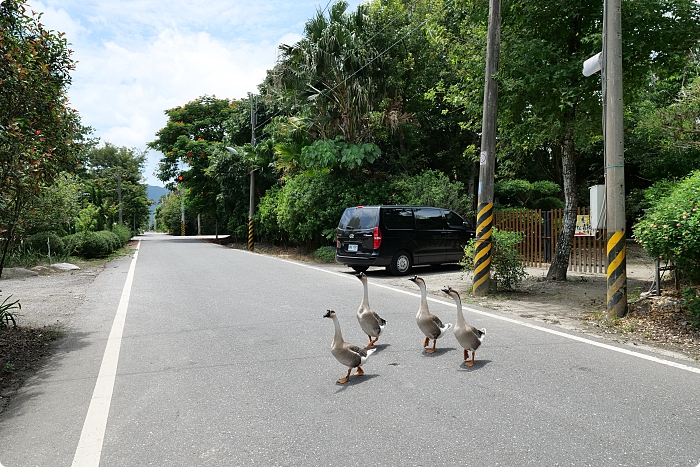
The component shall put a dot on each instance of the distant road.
(223, 358)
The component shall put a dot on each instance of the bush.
(548, 203)
(94, 245)
(311, 203)
(72, 244)
(123, 232)
(38, 243)
(670, 227)
(506, 268)
(325, 254)
(112, 240)
(691, 302)
(432, 188)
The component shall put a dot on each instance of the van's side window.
(399, 219)
(429, 219)
(454, 220)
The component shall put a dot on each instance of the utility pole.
(614, 160)
(251, 211)
(182, 210)
(487, 157)
(119, 193)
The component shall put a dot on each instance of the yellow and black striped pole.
(614, 161)
(482, 256)
(617, 274)
(251, 240)
(487, 157)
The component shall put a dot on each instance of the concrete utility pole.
(251, 211)
(614, 160)
(487, 158)
(119, 193)
(182, 210)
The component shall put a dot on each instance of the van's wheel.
(401, 263)
(360, 268)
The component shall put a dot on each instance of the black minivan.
(399, 237)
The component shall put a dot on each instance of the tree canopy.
(40, 135)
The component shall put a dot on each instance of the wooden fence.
(540, 231)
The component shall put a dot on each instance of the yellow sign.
(583, 227)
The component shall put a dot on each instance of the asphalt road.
(224, 360)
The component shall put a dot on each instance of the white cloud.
(138, 58)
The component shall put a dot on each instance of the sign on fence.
(583, 226)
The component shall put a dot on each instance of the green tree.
(109, 173)
(40, 136)
(188, 140)
(549, 113)
(327, 71)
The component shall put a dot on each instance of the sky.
(138, 58)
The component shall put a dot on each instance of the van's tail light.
(377, 237)
(337, 242)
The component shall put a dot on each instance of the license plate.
(352, 247)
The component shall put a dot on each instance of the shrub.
(38, 243)
(670, 227)
(432, 188)
(325, 254)
(112, 240)
(6, 315)
(309, 205)
(548, 203)
(94, 245)
(506, 268)
(123, 232)
(691, 302)
(72, 244)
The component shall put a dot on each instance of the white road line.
(90, 445)
(632, 353)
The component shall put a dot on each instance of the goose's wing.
(437, 321)
(379, 319)
(356, 350)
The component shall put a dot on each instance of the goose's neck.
(337, 337)
(423, 299)
(460, 315)
(365, 298)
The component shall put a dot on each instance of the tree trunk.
(560, 262)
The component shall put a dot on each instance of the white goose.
(430, 324)
(370, 322)
(468, 336)
(349, 355)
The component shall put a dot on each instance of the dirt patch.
(48, 302)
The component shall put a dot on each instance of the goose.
(468, 336)
(430, 324)
(370, 322)
(349, 355)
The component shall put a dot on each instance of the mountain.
(155, 192)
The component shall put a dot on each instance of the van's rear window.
(359, 218)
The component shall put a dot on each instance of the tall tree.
(40, 135)
(110, 174)
(548, 111)
(331, 71)
(187, 141)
